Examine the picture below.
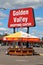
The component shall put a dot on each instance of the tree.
(5, 34)
(42, 38)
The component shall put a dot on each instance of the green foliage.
(42, 38)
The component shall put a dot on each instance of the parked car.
(36, 45)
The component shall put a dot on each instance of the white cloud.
(33, 31)
(7, 5)
(2, 29)
(2, 15)
(19, 3)
(40, 33)
(1, 33)
(24, 28)
(37, 33)
(6, 30)
(39, 21)
(9, 31)
(1, 24)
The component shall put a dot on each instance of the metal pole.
(28, 30)
(13, 30)
(28, 33)
(14, 42)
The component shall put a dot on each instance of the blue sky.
(7, 5)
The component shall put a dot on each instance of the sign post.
(28, 33)
(23, 17)
(14, 30)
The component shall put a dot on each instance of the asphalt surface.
(20, 60)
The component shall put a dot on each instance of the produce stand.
(20, 37)
(20, 51)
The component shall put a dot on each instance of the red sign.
(21, 18)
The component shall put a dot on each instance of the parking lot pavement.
(38, 50)
(19, 60)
